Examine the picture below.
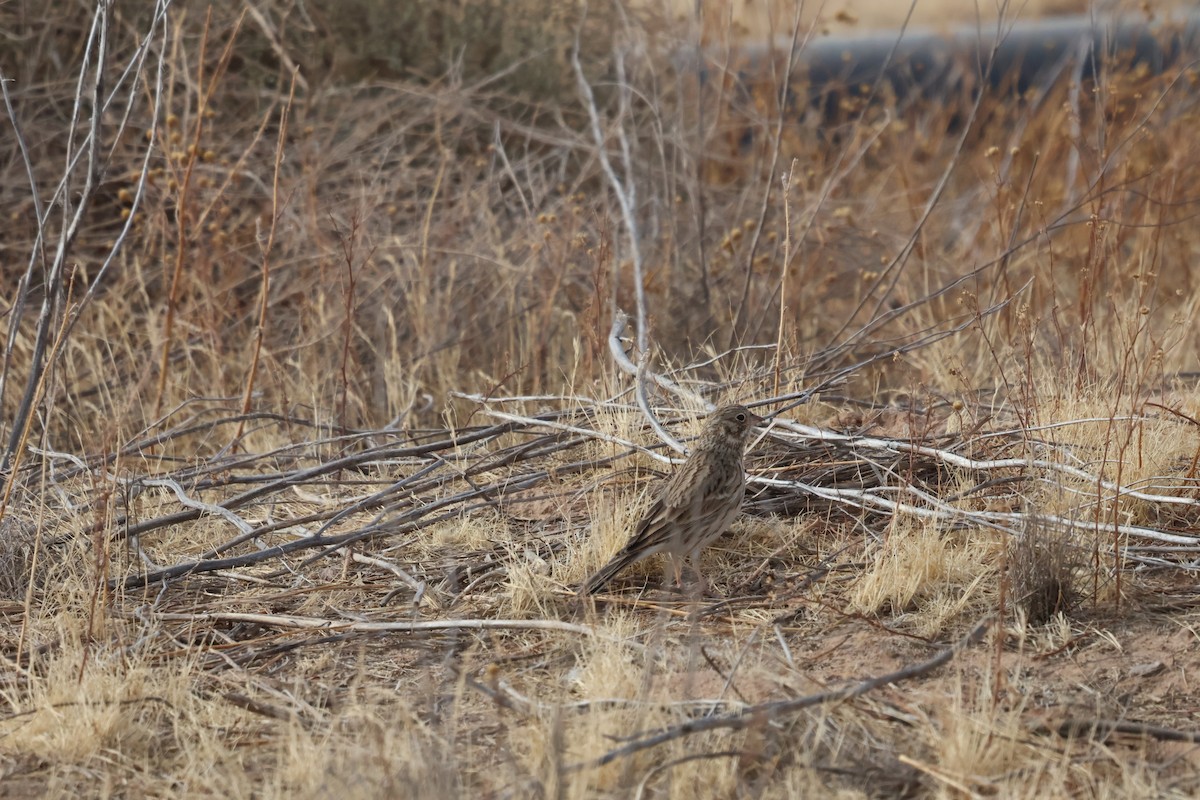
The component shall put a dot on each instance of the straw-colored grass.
(313, 467)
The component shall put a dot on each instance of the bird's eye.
(741, 417)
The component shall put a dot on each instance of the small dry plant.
(1043, 567)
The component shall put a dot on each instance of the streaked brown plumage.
(697, 503)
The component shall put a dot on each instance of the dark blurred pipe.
(1027, 54)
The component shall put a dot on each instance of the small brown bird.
(697, 503)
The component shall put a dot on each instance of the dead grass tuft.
(1043, 565)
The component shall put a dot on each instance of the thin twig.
(624, 191)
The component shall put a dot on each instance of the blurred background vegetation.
(443, 220)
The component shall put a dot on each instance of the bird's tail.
(606, 574)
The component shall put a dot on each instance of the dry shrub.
(438, 233)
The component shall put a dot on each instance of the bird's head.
(731, 424)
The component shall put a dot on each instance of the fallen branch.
(1101, 729)
(293, 622)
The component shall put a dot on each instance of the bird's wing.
(679, 492)
(678, 504)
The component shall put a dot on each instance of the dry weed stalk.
(54, 313)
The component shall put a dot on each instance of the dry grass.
(317, 455)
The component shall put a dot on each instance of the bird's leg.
(700, 587)
(677, 570)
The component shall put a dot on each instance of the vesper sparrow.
(697, 503)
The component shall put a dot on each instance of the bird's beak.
(756, 420)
